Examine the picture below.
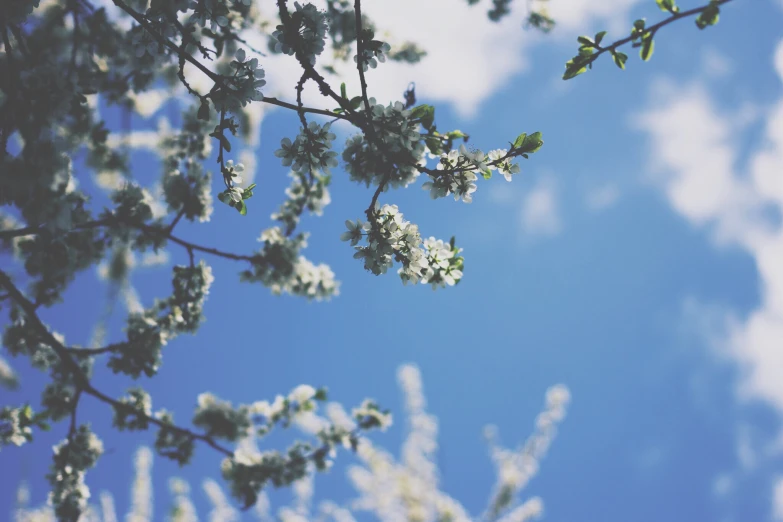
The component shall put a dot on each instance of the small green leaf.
(241, 207)
(224, 142)
(45, 426)
(520, 140)
(639, 24)
(619, 59)
(251, 187)
(426, 113)
(585, 41)
(486, 173)
(342, 91)
(355, 102)
(708, 17)
(599, 37)
(648, 46)
(574, 67)
(27, 412)
(531, 143)
(320, 394)
(203, 111)
(224, 197)
(667, 6)
(434, 145)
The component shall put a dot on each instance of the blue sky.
(638, 259)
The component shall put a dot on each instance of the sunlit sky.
(638, 259)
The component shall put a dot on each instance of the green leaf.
(585, 41)
(487, 173)
(223, 140)
(531, 143)
(639, 24)
(27, 412)
(434, 145)
(355, 102)
(342, 91)
(708, 17)
(648, 46)
(224, 197)
(45, 426)
(574, 67)
(619, 59)
(251, 187)
(203, 111)
(320, 394)
(599, 37)
(667, 6)
(455, 134)
(241, 207)
(426, 113)
(520, 140)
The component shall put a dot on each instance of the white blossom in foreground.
(141, 493)
(390, 489)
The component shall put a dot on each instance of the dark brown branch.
(650, 30)
(80, 379)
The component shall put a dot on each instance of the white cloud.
(603, 197)
(489, 54)
(539, 214)
(694, 156)
(716, 65)
(722, 485)
(777, 500)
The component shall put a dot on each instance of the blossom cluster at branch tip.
(311, 151)
(280, 267)
(391, 238)
(457, 172)
(151, 329)
(72, 458)
(304, 35)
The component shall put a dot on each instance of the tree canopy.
(60, 60)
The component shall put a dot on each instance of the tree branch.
(81, 380)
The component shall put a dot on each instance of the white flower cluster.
(72, 458)
(134, 416)
(191, 287)
(303, 193)
(391, 489)
(151, 329)
(19, 338)
(14, 427)
(249, 470)
(247, 82)
(408, 489)
(311, 151)
(221, 420)
(373, 50)
(214, 13)
(186, 186)
(401, 152)
(306, 34)
(504, 166)
(183, 509)
(516, 467)
(391, 238)
(144, 43)
(457, 172)
(279, 267)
